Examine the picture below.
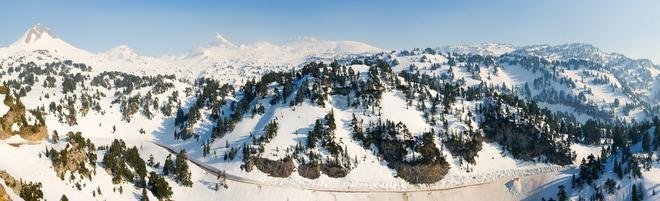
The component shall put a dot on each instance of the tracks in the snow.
(215, 172)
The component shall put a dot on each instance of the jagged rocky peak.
(37, 32)
(223, 42)
(40, 37)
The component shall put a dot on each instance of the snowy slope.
(40, 40)
(493, 49)
(221, 57)
(639, 74)
(496, 172)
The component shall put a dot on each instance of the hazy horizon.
(156, 28)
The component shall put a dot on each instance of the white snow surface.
(496, 174)
(222, 57)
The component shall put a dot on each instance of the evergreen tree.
(159, 187)
(31, 192)
(358, 132)
(561, 194)
(330, 120)
(55, 137)
(641, 192)
(634, 194)
(168, 166)
(314, 135)
(656, 133)
(151, 161)
(646, 142)
(182, 172)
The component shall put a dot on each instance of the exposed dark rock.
(423, 173)
(3, 194)
(310, 170)
(334, 171)
(16, 116)
(274, 168)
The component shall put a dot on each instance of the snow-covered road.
(481, 179)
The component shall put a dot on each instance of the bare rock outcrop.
(3, 194)
(422, 173)
(309, 170)
(334, 171)
(10, 182)
(14, 122)
(274, 168)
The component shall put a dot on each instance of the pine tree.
(358, 133)
(55, 137)
(182, 172)
(646, 142)
(159, 187)
(31, 192)
(617, 169)
(573, 181)
(561, 195)
(314, 134)
(150, 162)
(656, 139)
(634, 194)
(330, 120)
(168, 166)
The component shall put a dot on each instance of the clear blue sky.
(173, 27)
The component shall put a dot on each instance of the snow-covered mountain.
(221, 57)
(39, 43)
(638, 74)
(224, 58)
(40, 37)
(326, 120)
(493, 49)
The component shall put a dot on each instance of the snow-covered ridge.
(223, 42)
(35, 33)
(40, 40)
(493, 49)
(206, 60)
(638, 74)
(371, 174)
(583, 51)
(263, 53)
(564, 52)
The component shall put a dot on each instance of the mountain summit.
(223, 42)
(42, 38)
(38, 32)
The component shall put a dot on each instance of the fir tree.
(182, 172)
(561, 194)
(634, 194)
(31, 192)
(646, 142)
(159, 187)
(168, 166)
(150, 162)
